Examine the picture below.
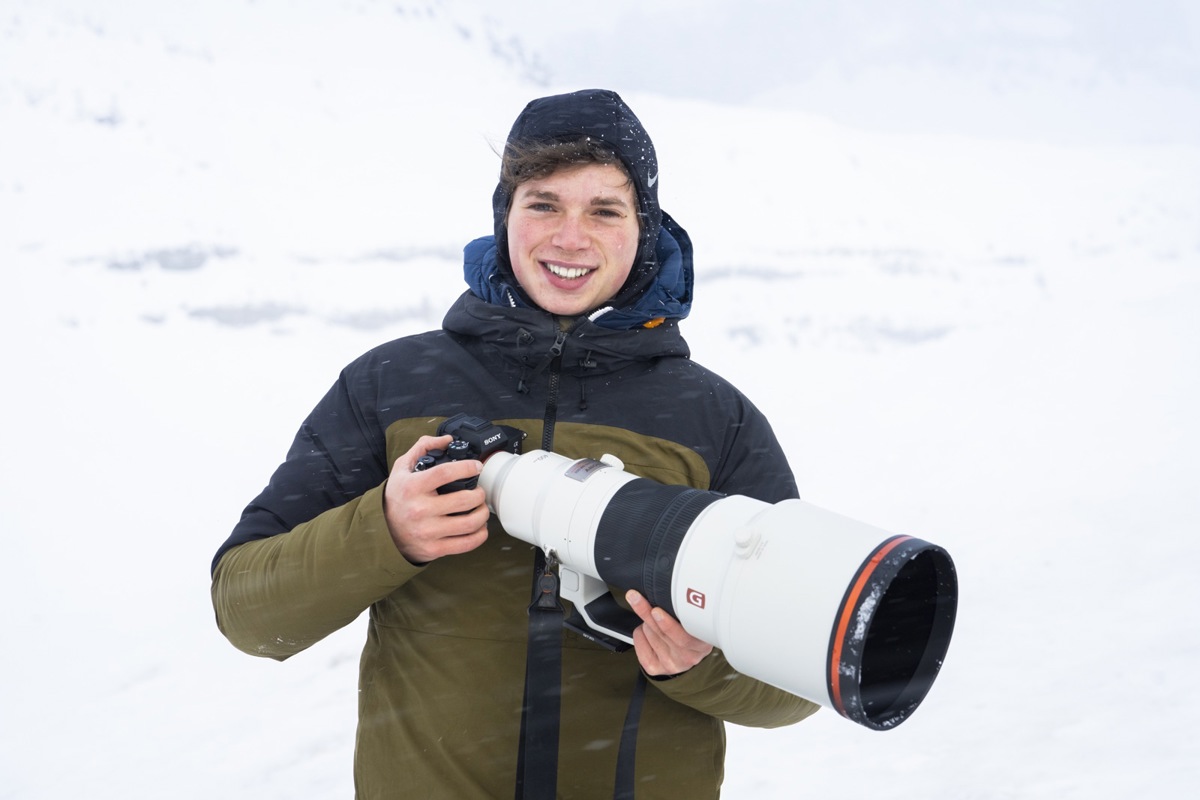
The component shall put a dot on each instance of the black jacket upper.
(517, 364)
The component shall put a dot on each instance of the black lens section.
(639, 535)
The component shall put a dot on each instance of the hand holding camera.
(424, 523)
(663, 647)
(432, 503)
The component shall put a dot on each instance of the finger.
(671, 630)
(470, 519)
(658, 655)
(422, 446)
(664, 647)
(444, 517)
(464, 501)
(457, 545)
(640, 605)
(646, 654)
(427, 481)
(662, 623)
(451, 471)
(443, 536)
(648, 643)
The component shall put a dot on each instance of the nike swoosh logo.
(653, 180)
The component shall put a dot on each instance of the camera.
(848, 615)
(474, 439)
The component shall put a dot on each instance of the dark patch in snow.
(511, 50)
(374, 319)
(243, 316)
(869, 331)
(400, 254)
(747, 335)
(758, 273)
(177, 259)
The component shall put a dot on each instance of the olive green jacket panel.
(275, 597)
(716, 688)
(441, 686)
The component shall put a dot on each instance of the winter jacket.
(441, 677)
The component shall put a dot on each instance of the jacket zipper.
(551, 417)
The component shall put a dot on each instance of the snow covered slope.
(205, 212)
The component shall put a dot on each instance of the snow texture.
(953, 255)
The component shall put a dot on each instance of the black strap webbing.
(537, 758)
(627, 755)
(537, 754)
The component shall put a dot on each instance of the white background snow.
(953, 254)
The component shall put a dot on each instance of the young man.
(568, 332)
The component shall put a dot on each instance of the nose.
(570, 235)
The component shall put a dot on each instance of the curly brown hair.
(522, 162)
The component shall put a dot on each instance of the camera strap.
(541, 709)
(537, 758)
(627, 755)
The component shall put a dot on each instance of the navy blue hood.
(667, 295)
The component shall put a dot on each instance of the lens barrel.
(815, 603)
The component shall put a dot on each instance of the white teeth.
(564, 272)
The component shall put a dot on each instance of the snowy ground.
(988, 343)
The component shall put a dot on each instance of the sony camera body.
(474, 439)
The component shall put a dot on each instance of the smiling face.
(572, 237)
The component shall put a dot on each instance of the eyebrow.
(598, 200)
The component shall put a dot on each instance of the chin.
(566, 310)
(555, 303)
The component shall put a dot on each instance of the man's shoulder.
(689, 370)
(404, 346)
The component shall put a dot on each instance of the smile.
(570, 273)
